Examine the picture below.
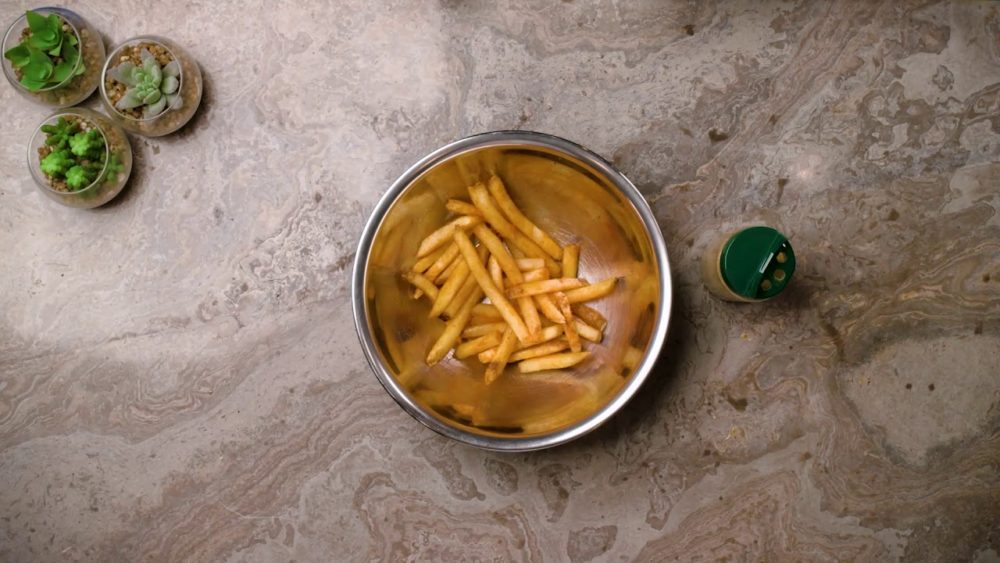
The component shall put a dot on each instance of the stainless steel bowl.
(575, 195)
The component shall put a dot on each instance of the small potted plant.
(80, 158)
(151, 86)
(52, 56)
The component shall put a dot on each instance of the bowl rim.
(497, 139)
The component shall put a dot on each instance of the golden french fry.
(483, 277)
(482, 199)
(485, 312)
(441, 236)
(468, 286)
(528, 264)
(503, 352)
(544, 286)
(549, 309)
(591, 292)
(475, 331)
(496, 273)
(632, 357)
(530, 315)
(443, 266)
(491, 241)
(452, 329)
(548, 333)
(587, 332)
(536, 275)
(590, 316)
(473, 347)
(540, 350)
(552, 361)
(540, 237)
(463, 208)
(423, 284)
(426, 262)
(487, 356)
(570, 260)
(449, 290)
(571, 335)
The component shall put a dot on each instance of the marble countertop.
(179, 375)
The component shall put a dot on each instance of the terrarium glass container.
(174, 115)
(110, 179)
(75, 88)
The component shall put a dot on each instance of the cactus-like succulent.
(48, 55)
(149, 85)
(76, 156)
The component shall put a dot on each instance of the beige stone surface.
(179, 375)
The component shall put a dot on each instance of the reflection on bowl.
(576, 197)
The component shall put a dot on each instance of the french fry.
(496, 296)
(540, 237)
(473, 347)
(552, 361)
(443, 268)
(485, 312)
(587, 332)
(571, 335)
(426, 262)
(460, 207)
(549, 308)
(423, 284)
(468, 286)
(591, 292)
(536, 275)
(590, 316)
(491, 241)
(482, 199)
(480, 330)
(540, 350)
(544, 286)
(632, 357)
(528, 264)
(531, 319)
(548, 333)
(570, 260)
(450, 289)
(452, 329)
(441, 236)
(496, 273)
(503, 352)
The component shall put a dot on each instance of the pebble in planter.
(52, 56)
(79, 158)
(151, 86)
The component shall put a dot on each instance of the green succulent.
(79, 177)
(151, 87)
(78, 157)
(87, 144)
(48, 56)
(56, 163)
(58, 135)
(114, 168)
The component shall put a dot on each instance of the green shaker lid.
(757, 263)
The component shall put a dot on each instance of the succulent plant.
(48, 55)
(149, 85)
(77, 156)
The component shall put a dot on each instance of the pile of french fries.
(536, 309)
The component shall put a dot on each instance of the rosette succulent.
(48, 55)
(151, 87)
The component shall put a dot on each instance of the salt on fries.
(491, 249)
